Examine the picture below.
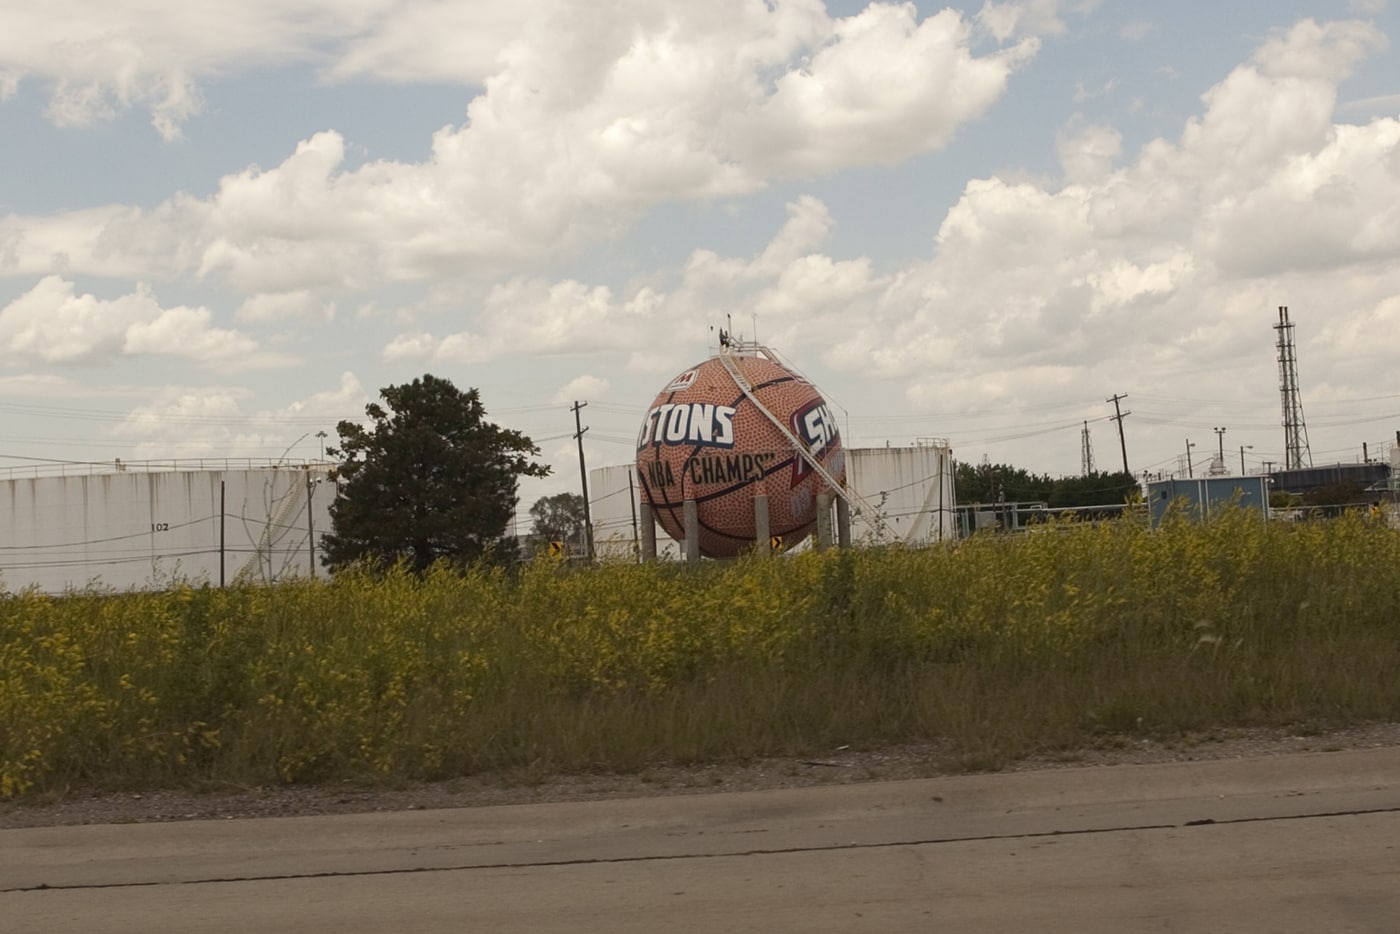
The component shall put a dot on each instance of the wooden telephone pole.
(1118, 417)
(583, 478)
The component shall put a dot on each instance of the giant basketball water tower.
(739, 451)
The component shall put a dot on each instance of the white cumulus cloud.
(1011, 18)
(1157, 270)
(582, 126)
(581, 388)
(211, 421)
(53, 323)
(1169, 263)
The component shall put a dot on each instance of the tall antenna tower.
(1296, 453)
(1086, 452)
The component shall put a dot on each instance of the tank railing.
(158, 465)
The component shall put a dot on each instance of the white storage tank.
(910, 490)
(142, 529)
(614, 505)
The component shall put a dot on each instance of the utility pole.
(1189, 445)
(1220, 443)
(583, 478)
(1118, 416)
(632, 501)
(310, 532)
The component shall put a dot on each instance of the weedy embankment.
(1003, 646)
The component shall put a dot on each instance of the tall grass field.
(1001, 646)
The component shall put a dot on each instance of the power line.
(115, 538)
(272, 419)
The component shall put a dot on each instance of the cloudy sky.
(224, 227)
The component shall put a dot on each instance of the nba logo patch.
(682, 382)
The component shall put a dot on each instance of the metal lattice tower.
(1295, 430)
(1086, 453)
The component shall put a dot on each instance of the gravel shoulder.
(840, 766)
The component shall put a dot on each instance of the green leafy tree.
(1348, 493)
(993, 483)
(1101, 488)
(430, 479)
(558, 518)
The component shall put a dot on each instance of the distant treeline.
(990, 483)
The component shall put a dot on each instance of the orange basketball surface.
(703, 439)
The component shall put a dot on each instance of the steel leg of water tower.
(762, 534)
(823, 521)
(692, 531)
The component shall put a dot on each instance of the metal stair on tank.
(852, 498)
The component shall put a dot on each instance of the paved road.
(1306, 843)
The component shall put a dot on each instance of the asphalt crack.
(671, 857)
